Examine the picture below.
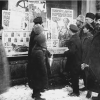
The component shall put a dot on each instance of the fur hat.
(38, 20)
(81, 18)
(97, 16)
(73, 28)
(40, 40)
(38, 29)
(90, 15)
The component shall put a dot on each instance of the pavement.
(23, 92)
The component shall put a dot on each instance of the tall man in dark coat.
(89, 19)
(74, 59)
(38, 67)
(93, 61)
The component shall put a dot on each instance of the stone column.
(91, 6)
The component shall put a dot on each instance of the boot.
(89, 93)
(39, 98)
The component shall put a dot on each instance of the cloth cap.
(73, 28)
(81, 18)
(97, 16)
(40, 40)
(90, 15)
(38, 20)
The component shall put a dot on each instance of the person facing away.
(37, 23)
(92, 62)
(38, 67)
(4, 67)
(73, 59)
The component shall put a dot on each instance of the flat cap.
(73, 28)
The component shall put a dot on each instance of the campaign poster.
(60, 21)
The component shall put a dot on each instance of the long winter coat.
(93, 59)
(73, 54)
(4, 70)
(85, 42)
(38, 69)
(38, 29)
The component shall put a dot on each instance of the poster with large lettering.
(60, 21)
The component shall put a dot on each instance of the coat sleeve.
(41, 62)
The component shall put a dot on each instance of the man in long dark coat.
(74, 59)
(93, 61)
(38, 67)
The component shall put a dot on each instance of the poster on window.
(37, 8)
(5, 18)
(12, 21)
(16, 42)
(60, 21)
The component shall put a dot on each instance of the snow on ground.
(23, 92)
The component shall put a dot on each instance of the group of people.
(83, 56)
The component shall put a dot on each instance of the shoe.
(74, 94)
(39, 98)
(83, 89)
(89, 93)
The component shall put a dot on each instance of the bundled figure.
(73, 64)
(4, 68)
(38, 69)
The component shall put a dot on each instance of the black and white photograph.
(49, 49)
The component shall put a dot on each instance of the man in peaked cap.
(73, 28)
(74, 59)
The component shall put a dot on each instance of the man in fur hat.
(92, 61)
(89, 18)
